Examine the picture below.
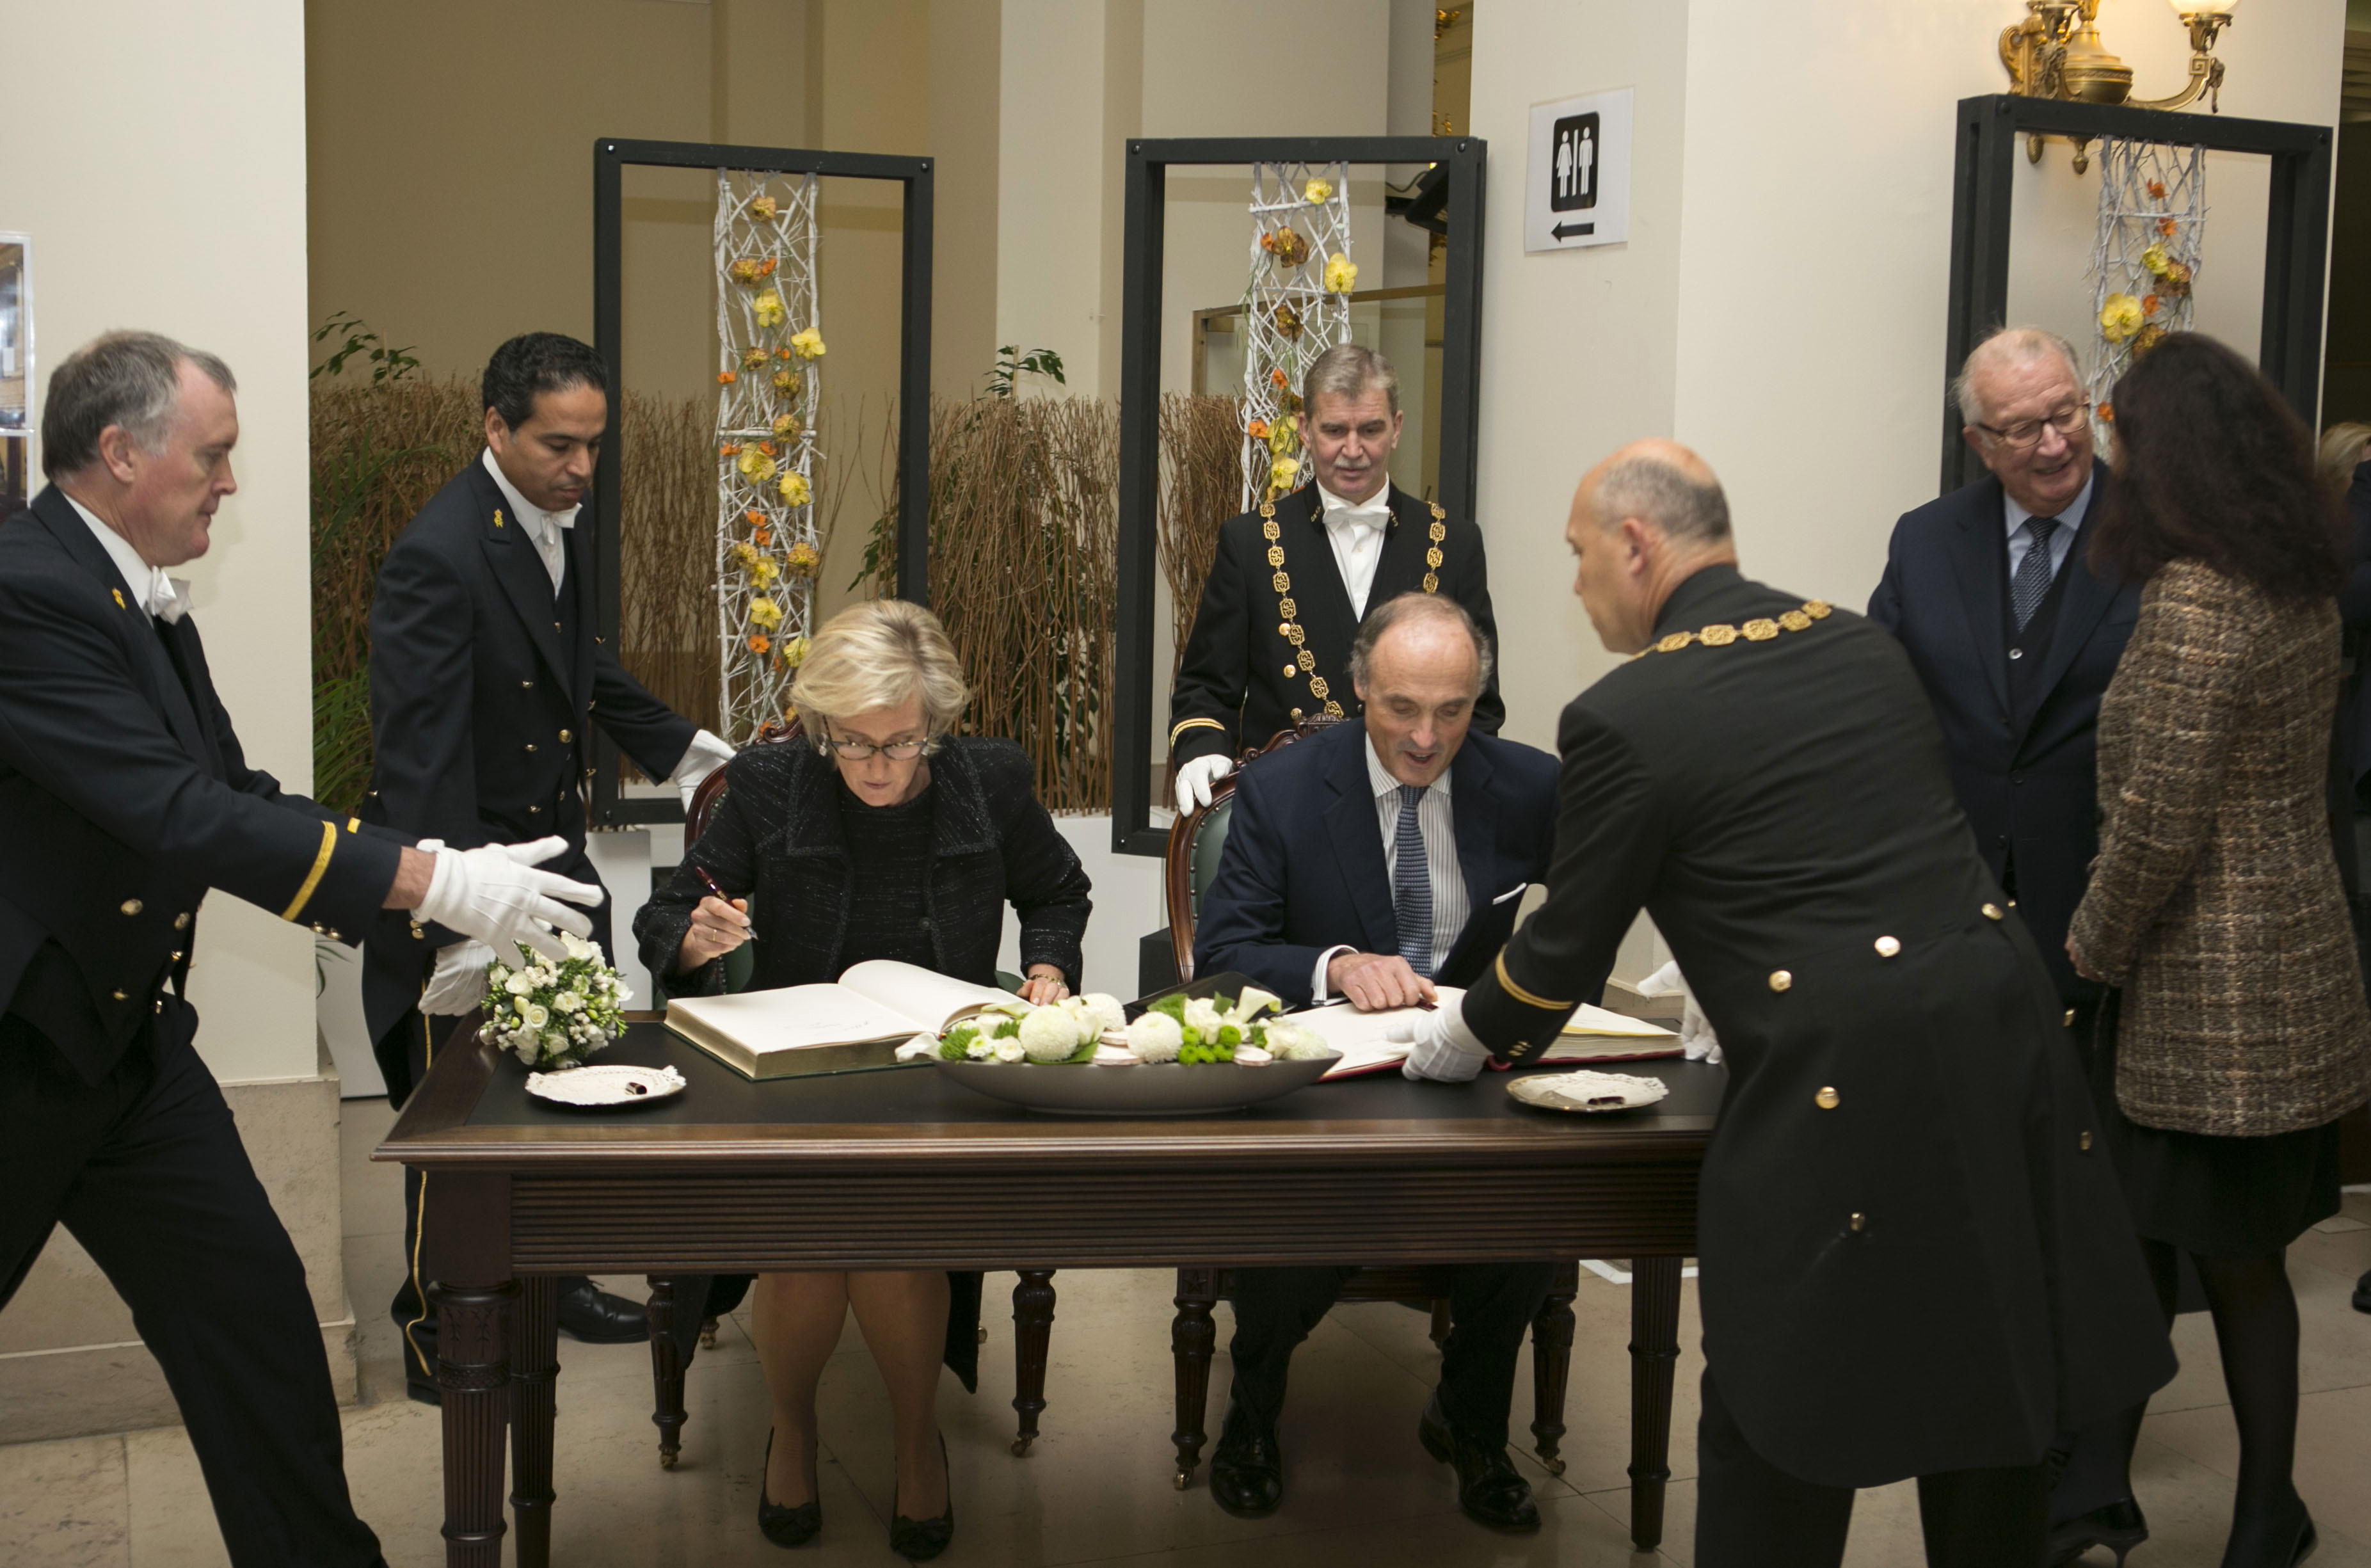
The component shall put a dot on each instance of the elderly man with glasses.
(2015, 637)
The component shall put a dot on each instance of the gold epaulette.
(1720, 634)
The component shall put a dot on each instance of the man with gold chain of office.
(1292, 580)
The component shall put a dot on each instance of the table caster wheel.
(983, 1334)
(1182, 1479)
(1554, 1464)
(666, 1461)
(1021, 1446)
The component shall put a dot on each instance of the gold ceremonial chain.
(1757, 630)
(1288, 622)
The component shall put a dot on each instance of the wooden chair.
(1191, 865)
(1032, 1296)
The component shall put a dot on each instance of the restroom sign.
(1576, 191)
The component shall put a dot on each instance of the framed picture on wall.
(16, 336)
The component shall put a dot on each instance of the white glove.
(494, 893)
(706, 753)
(1696, 1038)
(459, 982)
(1194, 779)
(1445, 1051)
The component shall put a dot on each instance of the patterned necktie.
(1412, 885)
(2031, 584)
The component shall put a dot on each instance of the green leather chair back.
(1209, 839)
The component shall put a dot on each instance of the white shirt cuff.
(1317, 997)
(706, 753)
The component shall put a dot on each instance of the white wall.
(169, 193)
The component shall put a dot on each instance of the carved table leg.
(666, 1371)
(1654, 1357)
(1033, 1336)
(1551, 1367)
(473, 1383)
(535, 1370)
(1192, 1336)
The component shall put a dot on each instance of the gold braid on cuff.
(1506, 983)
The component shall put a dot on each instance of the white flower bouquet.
(554, 1014)
(1094, 1031)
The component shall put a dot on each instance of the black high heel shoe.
(2118, 1526)
(786, 1526)
(921, 1540)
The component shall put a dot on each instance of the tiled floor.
(1096, 1489)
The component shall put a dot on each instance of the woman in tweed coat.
(2237, 1035)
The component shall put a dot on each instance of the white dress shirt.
(1436, 819)
(155, 593)
(1356, 535)
(2062, 538)
(541, 526)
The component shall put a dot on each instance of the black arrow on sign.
(1573, 230)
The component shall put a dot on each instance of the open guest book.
(1592, 1034)
(856, 1023)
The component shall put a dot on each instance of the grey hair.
(1659, 493)
(2009, 345)
(129, 380)
(1346, 370)
(1414, 606)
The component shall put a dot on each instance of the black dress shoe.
(1489, 1489)
(2118, 1526)
(421, 1386)
(593, 1315)
(1247, 1468)
(786, 1526)
(2362, 1293)
(919, 1540)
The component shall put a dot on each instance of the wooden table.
(882, 1170)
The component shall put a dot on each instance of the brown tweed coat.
(2215, 901)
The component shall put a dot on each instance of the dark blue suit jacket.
(2027, 780)
(1303, 868)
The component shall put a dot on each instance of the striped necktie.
(2031, 584)
(1412, 885)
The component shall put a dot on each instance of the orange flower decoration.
(2165, 227)
(2150, 305)
(727, 378)
(781, 354)
(760, 643)
(763, 534)
(731, 447)
(1257, 430)
(766, 448)
(2156, 188)
(2108, 414)
(1277, 379)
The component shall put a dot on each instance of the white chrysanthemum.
(1155, 1037)
(535, 1015)
(1104, 1010)
(1202, 1015)
(519, 984)
(1009, 1050)
(979, 1048)
(1049, 1034)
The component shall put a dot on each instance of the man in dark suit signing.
(124, 797)
(1990, 590)
(1916, 1260)
(1369, 862)
(486, 680)
(1292, 578)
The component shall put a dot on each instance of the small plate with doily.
(1587, 1092)
(611, 1087)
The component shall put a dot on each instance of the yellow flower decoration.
(1341, 274)
(803, 560)
(755, 466)
(766, 613)
(2120, 317)
(763, 207)
(1281, 472)
(2155, 260)
(795, 652)
(786, 425)
(785, 379)
(756, 564)
(1316, 190)
(769, 308)
(807, 345)
(746, 270)
(795, 488)
(753, 359)
(1281, 438)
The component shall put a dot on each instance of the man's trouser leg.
(1275, 1309)
(1490, 1308)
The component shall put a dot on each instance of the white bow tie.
(1373, 515)
(168, 598)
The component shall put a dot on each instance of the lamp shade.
(2204, 7)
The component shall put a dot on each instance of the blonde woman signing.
(880, 836)
(2238, 1033)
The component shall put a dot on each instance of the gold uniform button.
(2084, 1143)
(182, 921)
(1887, 946)
(1859, 1221)
(530, 745)
(160, 1005)
(565, 737)
(130, 906)
(118, 996)
(2069, 1019)
(1827, 1099)
(532, 811)
(1288, 673)
(177, 955)
(526, 685)
(1781, 978)
(1994, 912)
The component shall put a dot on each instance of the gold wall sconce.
(2055, 53)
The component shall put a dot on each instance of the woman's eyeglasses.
(859, 750)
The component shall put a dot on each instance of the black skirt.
(2218, 1197)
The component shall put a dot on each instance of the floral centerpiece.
(554, 1014)
(1093, 1031)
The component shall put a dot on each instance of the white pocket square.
(1514, 892)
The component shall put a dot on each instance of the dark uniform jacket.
(2020, 734)
(484, 686)
(775, 835)
(1232, 690)
(1303, 868)
(124, 795)
(1915, 1255)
